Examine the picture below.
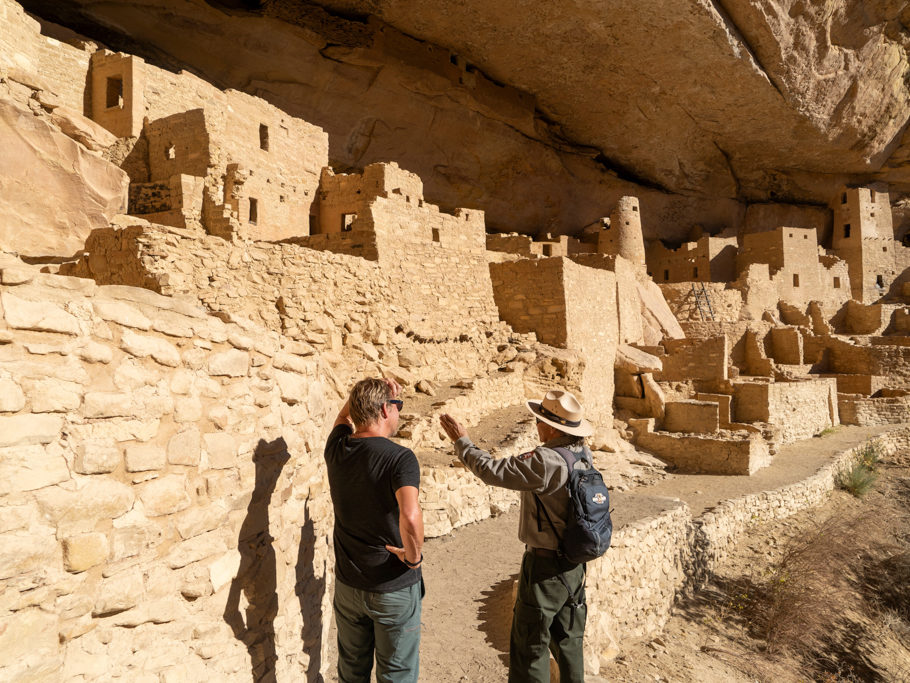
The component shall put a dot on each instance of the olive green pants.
(543, 621)
(385, 623)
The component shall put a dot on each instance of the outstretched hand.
(452, 427)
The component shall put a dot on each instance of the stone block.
(198, 520)
(26, 430)
(17, 275)
(52, 395)
(30, 646)
(144, 458)
(196, 549)
(119, 593)
(221, 449)
(143, 346)
(27, 468)
(93, 352)
(130, 541)
(187, 409)
(12, 400)
(84, 551)
(165, 496)
(39, 316)
(184, 448)
(700, 417)
(106, 404)
(294, 388)
(636, 361)
(231, 363)
(79, 510)
(121, 313)
(21, 554)
(223, 570)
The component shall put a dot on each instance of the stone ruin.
(174, 342)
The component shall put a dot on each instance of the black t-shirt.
(364, 474)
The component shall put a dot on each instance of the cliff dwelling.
(203, 248)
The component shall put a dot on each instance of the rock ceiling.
(699, 107)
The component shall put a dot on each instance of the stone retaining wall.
(164, 512)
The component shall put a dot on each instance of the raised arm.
(410, 525)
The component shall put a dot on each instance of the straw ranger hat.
(561, 410)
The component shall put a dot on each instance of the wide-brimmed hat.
(561, 410)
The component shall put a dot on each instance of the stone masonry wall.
(164, 510)
(860, 410)
(24, 50)
(435, 314)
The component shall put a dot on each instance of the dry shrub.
(804, 596)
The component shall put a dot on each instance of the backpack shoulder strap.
(570, 460)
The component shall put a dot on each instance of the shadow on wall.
(309, 590)
(256, 577)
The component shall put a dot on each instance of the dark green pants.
(543, 621)
(387, 623)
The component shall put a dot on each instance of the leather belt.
(543, 552)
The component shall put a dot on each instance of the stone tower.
(623, 236)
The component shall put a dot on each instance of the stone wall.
(798, 410)
(43, 61)
(432, 310)
(862, 410)
(165, 510)
(694, 359)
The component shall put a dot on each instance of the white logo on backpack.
(600, 499)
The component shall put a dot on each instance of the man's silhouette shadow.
(256, 577)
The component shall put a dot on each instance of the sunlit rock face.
(544, 114)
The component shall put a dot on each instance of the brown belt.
(543, 552)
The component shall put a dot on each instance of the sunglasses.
(397, 402)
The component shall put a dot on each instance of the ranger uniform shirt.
(541, 471)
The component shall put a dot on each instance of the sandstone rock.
(119, 593)
(232, 363)
(408, 358)
(27, 468)
(425, 387)
(17, 275)
(93, 352)
(35, 315)
(187, 410)
(636, 361)
(106, 404)
(81, 129)
(144, 457)
(223, 570)
(24, 430)
(30, 646)
(97, 456)
(84, 551)
(294, 388)
(79, 510)
(122, 314)
(142, 346)
(198, 520)
(196, 549)
(52, 395)
(184, 448)
(40, 161)
(164, 496)
(12, 400)
(20, 554)
(221, 449)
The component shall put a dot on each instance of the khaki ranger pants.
(543, 621)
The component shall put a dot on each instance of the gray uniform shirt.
(541, 471)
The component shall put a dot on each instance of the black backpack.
(589, 527)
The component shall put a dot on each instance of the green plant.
(870, 456)
(857, 480)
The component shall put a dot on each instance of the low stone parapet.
(734, 453)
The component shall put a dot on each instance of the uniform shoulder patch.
(525, 456)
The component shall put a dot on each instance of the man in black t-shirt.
(378, 537)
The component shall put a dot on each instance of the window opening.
(115, 92)
(435, 234)
(843, 198)
(695, 272)
(548, 250)
(846, 230)
(254, 211)
(347, 220)
(836, 283)
(666, 275)
(263, 137)
(170, 152)
(880, 281)
(795, 280)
